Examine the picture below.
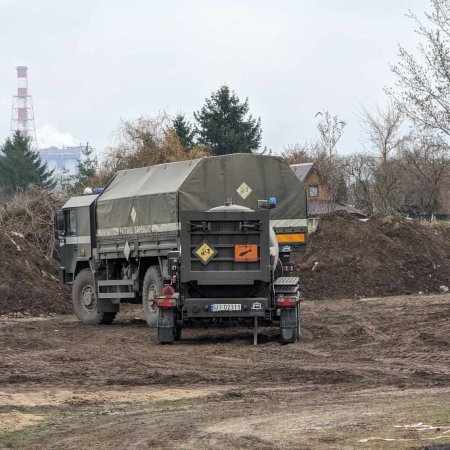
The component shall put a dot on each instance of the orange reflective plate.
(245, 253)
(290, 237)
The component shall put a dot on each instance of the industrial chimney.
(22, 114)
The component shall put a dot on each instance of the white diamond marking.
(244, 190)
(133, 214)
(127, 250)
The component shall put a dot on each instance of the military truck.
(206, 241)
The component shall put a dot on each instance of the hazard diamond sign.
(205, 253)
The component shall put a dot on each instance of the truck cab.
(73, 229)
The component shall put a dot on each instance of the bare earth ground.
(361, 368)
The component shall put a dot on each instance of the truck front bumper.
(225, 307)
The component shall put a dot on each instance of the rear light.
(165, 302)
(287, 302)
(168, 299)
(168, 291)
(288, 238)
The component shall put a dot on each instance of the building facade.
(319, 198)
(64, 161)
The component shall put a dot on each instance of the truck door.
(66, 227)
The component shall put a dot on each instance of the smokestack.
(22, 114)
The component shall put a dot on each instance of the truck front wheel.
(84, 300)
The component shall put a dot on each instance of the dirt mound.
(442, 229)
(386, 255)
(29, 280)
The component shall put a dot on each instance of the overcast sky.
(94, 62)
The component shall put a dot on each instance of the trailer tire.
(289, 325)
(151, 289)
(167, 329)
(84, 299)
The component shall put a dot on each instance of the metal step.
(116, 295)
(103, 283)
(286, 285)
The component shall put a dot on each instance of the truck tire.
(167, 329)
(289, 325)
(84, 299)
(151, 289)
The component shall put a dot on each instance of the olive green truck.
(206, 241)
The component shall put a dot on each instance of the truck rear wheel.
(151, 290)
(84, 300)
(289, 325)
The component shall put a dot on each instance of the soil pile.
(29, 276)
(386, 255)
(441, 228)
(29, 279)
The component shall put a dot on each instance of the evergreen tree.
(87, 169)
(184, 130)
(20, 166)
(222, 124)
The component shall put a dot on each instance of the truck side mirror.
(59, 224)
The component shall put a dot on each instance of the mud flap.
(166, 326)
(289, 325)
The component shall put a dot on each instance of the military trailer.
(206, 241)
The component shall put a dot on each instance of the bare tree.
(387, 138)
(298, 153)
(325, 155)
(422, 88)
(359, 171)
(145, 142)
(427, 163)
(384, 130)
(330, 132)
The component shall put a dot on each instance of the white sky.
(93, 62)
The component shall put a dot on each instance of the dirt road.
(361, 368)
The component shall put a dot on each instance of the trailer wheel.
(151, 290)
(289, 325)
(84, 299)
(167, 329)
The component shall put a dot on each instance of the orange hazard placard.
(245, 253)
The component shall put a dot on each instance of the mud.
(360, 368)
(16, 420)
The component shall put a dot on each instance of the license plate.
(225, 307)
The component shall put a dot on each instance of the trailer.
(203, 241)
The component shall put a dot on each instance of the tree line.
(223, 125)
(404, 166)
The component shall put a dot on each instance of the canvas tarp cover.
(148, 200)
